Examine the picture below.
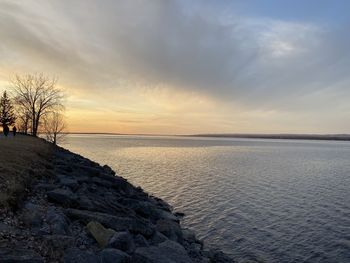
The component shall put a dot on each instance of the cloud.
(256, 62)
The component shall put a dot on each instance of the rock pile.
(83, 212)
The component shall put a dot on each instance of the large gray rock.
(75, 255)
(65, 167)
(117, 223)
(161, 203)
(101, 234)
(86, 203)
(122, 241)
(69, 182)
(170, 229)
(112, 255)
(108, 170)
(158, 238)
(147, 209)
(100, 181)
(19, 256)
(218, 256)
(32, 215)
(117, 182)
(140, 241)
(56, 221)
(167, 215)
(58, 242)
(88, 170)
(63, 197)
(189, 236)
(166, 252)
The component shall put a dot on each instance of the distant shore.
(324, 137)
(327, 137)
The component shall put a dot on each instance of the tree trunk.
(37, 119)
(33, 125)
(25, 125)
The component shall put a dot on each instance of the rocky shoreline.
(82, 212)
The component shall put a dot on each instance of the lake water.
(271, 200)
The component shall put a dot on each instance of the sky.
(187, 66)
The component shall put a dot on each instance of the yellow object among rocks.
(100, 233)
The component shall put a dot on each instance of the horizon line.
(296, 136)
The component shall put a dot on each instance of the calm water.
(272, 200)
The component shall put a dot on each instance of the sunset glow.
(179, 67)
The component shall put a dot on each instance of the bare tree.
(54, 125)
(37, 95)
(23, 120)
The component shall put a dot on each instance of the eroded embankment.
(82, 212)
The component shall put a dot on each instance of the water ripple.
(268, 200)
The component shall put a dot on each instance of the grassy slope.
(22, 159)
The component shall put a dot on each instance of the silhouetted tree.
(23, 120)
(7, 115)
(37, 95)
(54, 125)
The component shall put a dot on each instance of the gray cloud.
(252, 61)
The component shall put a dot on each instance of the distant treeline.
(334, 137)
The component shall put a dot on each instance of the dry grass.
(22, 159)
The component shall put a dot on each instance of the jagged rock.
(140, 241)
(118, 183)
(122, 241)
(108, 170)
(194, 250)
(101, 234)
(173, 250)
(142, 208)
(82, 179)
(158, 238)
(19, 256)
(147, 228)
(196, 256)
(56, 221)
(167, 215)
(85, 203)
(147, 209)
(99, 181)
(63, 197)
(117, 223)
(179, 214)
(75, 255)
(112, 255)
(170, 229)
(60, 242)
(32, 215)
(189, 235)
(69, 182)
(161, 203)
(87, 169)
(45, 186)
(64, 167)
(166, 252)
(218, 256)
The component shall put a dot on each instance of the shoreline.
(313, 137)
(80, 211)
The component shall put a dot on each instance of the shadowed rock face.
(85, 213)
(19, 255)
